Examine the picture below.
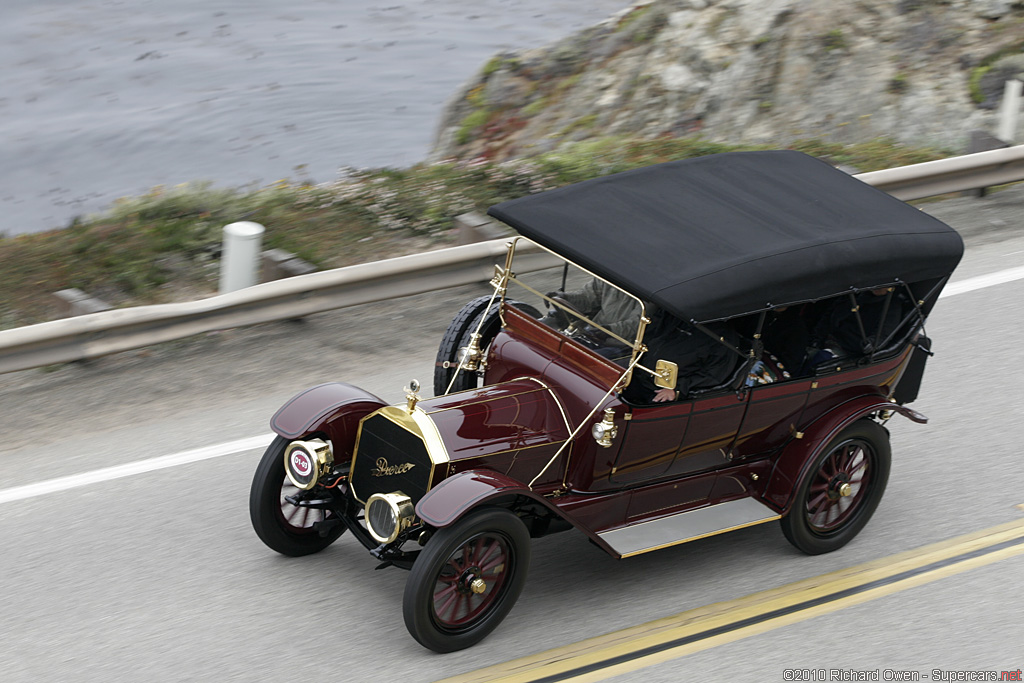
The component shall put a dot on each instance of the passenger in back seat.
(838, 333)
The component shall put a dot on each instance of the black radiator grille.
(390, 458)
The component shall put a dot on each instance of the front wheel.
(841, 491)
(466, 580)
(280, 525)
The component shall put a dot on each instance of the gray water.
(107, 98)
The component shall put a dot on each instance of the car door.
(773, 414)
(675, 439)
(713, 424)
(650, 442)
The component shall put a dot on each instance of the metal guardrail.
(106, 332)
(100, 334)
(956, 174)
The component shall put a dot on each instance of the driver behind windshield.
(607, 306)
(702, 360)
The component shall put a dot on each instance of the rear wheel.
(466, 580)
(458, 335)
(841, 491)
(284, 527)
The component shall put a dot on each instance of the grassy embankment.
(164, 245)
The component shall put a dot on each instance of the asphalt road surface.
(158, 576)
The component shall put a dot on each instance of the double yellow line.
(699, 629)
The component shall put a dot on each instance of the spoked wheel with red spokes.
(286, 528)
(841, 491)
(466, 579)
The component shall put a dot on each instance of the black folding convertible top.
(729, 234)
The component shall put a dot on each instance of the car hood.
(513, 415)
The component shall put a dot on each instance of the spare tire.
(458, 335)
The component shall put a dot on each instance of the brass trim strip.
(695, 630)
(554, 397)
(482, 400)
(568, 427)
(517, 449)
(420, 424)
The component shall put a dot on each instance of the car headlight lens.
(388, 514)
(306, 461)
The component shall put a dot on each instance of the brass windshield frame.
(502, 278)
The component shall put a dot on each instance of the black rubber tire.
(800, 526)
(265, 509)
(478, 532)
(452, 341)
(458, 335)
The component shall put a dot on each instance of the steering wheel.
(565, 303)
(589, 335)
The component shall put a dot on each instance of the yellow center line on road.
(699, 629)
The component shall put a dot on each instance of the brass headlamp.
(605, 430)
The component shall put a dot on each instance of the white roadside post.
(1010, 111)
(239, 262)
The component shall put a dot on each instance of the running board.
(687, 526)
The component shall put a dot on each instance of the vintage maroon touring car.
(669, 353)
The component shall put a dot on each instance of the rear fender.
(444, 504)
(334, 409)
(793, 465)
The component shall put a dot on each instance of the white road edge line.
(981, 281)
(128, 469)
(255, 442)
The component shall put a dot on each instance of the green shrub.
(473, 120)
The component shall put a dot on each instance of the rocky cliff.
(924, 72)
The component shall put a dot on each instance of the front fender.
(793, 465)
(334, 408)
(456, 495)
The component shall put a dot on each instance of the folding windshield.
(576, 303)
